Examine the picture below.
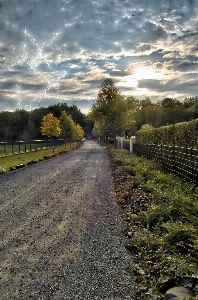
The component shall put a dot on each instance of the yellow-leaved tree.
(78, 132)
(50, 126)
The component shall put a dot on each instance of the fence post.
(118, 139)
(4, 149)
(191, 164)
(132, 141)
(173, 160)
(121, 141)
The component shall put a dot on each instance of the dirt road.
(60, 231)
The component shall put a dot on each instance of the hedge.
(183, 134)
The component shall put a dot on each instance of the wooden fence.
(183, 162)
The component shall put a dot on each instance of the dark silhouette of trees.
(25, 125)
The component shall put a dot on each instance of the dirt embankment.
(61, 231)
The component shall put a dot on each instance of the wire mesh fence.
(181, 161)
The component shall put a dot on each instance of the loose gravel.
(61, 232)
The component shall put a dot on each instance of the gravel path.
(61, 231)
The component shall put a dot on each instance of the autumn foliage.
(50, 126)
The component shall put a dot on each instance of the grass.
(23, 158)
(161, 224)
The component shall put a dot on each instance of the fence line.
(18, 146)
(181, 161)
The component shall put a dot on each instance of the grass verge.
(38, 155)
(160, 213)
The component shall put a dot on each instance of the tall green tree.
(6, 126)
(108, 110)
(34, 123)
(19, 125)
(66, 125)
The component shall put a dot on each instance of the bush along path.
(160, 216)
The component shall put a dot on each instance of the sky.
(61, 51)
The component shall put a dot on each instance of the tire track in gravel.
(61, 231)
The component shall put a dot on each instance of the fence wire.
(181, 161)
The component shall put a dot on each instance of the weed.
(62, 227)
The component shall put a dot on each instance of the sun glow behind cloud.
(146, 72)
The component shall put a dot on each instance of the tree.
(77, 115)
(146, 102)
(170, 103)
(66, 125)
(107, 110)
(78, 132)
(97, 129)
(73, 111)
(19, 121)
(152, 115)
(34, 123)
(6, 126)
(50, 126)
(173, 111)
(69, 129)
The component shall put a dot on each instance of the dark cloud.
(144, 47)
(7, 85)
(182, 86)
(184, 66)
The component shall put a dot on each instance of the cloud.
(77, 44)
(183, 85)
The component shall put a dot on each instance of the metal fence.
(181, 161)
(24, 146)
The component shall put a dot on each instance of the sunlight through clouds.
(147, 73)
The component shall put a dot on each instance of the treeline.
(26, 125)
(165, 112)
(114, 114)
